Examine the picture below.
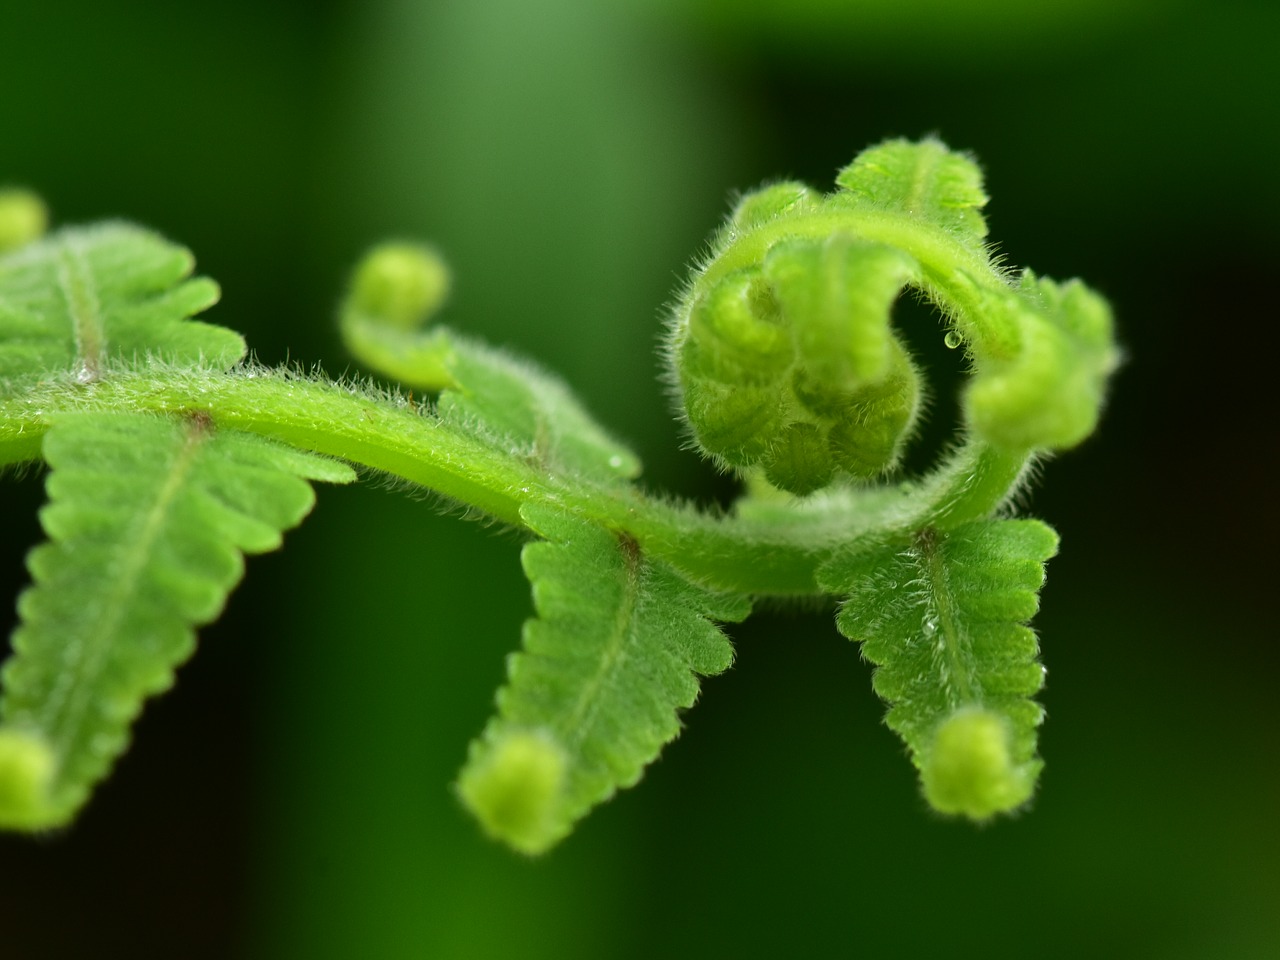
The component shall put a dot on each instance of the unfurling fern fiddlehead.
(788, 366)
(789, 372)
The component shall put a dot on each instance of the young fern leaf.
(922, 179)
(1049, 391)
(790, 370)
(84, 298)
(944, 619)
(148, 520)
(509, 403)
(611, 657)
(782, 347)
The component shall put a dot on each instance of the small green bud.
(399, 284)
(26, 774)
(514, 786)
(970, 770)
(23, 218)
(767, 203)
(799, 461)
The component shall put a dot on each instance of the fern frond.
(611, 657)
(168, 466)
(81, 298)
(148, 521)
(511, 404)
(944, 619)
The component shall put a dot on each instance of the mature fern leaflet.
(148, 519)
(607, 663)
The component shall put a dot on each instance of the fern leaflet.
(944, 619)
(607, 663)
(83, 298)
(148, 519)
(510, 404)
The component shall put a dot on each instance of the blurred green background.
(291, 800)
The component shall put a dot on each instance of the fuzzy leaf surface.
(84, 297)
(148, 520)
(510, 404)
(1050, 390)
(944, 619)
(925, 180)
(518, 406)
(611, 657)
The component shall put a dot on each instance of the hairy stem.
(951, 273)
(778, 552)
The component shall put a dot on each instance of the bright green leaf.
(611, 658)
(944, 619)
(148, 519)
(82, 299)
(924, 180)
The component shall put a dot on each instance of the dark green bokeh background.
(290, 798)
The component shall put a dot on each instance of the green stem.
(951, 272)
(772, 551)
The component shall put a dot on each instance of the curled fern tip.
(512, 786)
(26, 774)
(400, 284)
(970, 770)
(23, 218)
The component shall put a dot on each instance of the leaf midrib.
(961, 686)
(68, 704)
(84, 309)
(614, 653)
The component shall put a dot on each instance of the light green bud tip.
(513, 786)
(768, 203)
(26, 774)
(400, 284)
(970, 770)
(23, 218)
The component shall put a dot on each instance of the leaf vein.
(75, 282)
(69, 700)
(621, 636)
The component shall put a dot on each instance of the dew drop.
(952, 340)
